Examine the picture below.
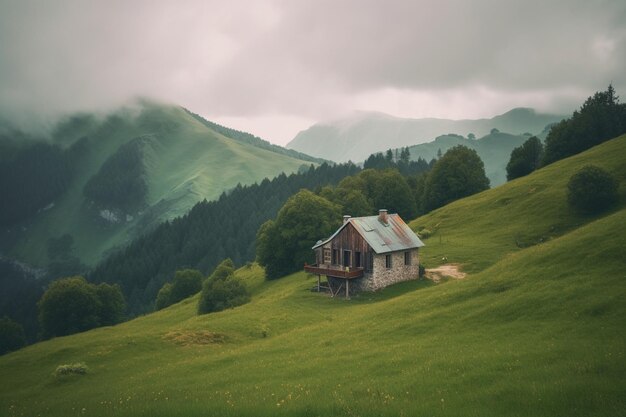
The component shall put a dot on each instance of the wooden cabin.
(367, 254)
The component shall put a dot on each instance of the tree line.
(600, 118)
(207, 234)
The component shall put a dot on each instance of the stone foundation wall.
(382, 277)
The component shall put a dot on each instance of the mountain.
(357, 137)
(494, 149)
(536, 328)
(113, 177)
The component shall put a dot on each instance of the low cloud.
(292, 61)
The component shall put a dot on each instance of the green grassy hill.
(536, 329)
(184, 161)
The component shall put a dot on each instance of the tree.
(471, 136)
(599, 119)
(70, 305)
(163, 297)
(592, 190)
(459, 173)
(222, 290)
(12, 335)
(186, 283)
(524, 159)
(111, 303)
(284, 245)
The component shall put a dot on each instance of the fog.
(275, 67)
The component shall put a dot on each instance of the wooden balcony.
(334, 271)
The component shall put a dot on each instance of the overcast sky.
(275, 67)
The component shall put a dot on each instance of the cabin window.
(357, 260)
(407, 258)
(335, 256)
(369, 265)
(388, 261)
(326, 255)
(346, 258)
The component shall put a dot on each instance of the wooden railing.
(338, 272)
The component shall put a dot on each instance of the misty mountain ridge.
(117, 175)
(359, 135)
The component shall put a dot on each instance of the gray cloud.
(291, 62)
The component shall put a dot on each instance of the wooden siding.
(350, 240)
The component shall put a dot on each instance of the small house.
(367, 254)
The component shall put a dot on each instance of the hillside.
(141, 165)
(494, 150)
(357, 137)
(535, 329)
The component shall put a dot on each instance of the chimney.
(346, 218)
(382, 216)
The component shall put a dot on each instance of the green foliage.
(12, 335)
(120, 183)
(71, 369)
(599, 119)
(529, 324)
(73, 305)
(187, 282)
(222, 290)
(284, 245)
(592, 190)
(163, 297)
(457, 174)
(211, 231)
(525, 159)
(380, 189)
(31, 178)
(111, 304)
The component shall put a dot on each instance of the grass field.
(185, 163)
(532, 331)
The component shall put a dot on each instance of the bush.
(591, 190)
(422, 271)
(12, 335)
(163, 297)
(424, 233)
(222, 290)
(187, 282)
(71, 369)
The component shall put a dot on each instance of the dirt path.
(448, 270)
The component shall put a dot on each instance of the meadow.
(535, 329)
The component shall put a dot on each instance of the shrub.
(71, 369)
(163, 297)
(187, 282)
(424, 233)
(222, 290)
(11, 335)
(422, 271)
(591, 190)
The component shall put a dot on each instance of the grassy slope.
(532, 332)
(185, 162)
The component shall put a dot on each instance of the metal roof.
(393, 236)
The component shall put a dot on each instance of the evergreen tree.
(599, 119)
